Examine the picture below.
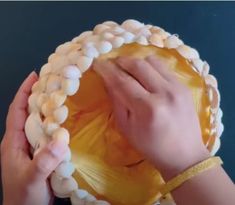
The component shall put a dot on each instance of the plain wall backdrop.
(30, 31)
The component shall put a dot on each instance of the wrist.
(182, 161)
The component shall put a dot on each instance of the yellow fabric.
(106, 164)
(190, 173)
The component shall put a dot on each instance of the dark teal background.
(30, 31)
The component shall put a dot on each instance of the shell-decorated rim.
(60, 77)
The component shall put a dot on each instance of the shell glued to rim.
(60, 78)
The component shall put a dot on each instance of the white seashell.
(206, 69)
(142, 32)
(62, 187)
(75, 200)
(53, 83)
(82, 36)
(132, 25)
(41, 99)
(47, 108)
(163, 34)
(60, 114)
(156, 40)
(172, 42)
(107, 36)
(68, 155)
(64, 48)
(42, 83)
(57, 98)
(100, 28)
(84, 63)
(216, 146)
(62, 134)
(101, 202)
(81, 193)
(73, 56)
(91, 40)
(69, 86)
(33, 129)
(65, 169)
(90, 51)
(110, 23)
(35, 87)
(198, 64)
(219, 115)
(214, 96)
(45, 69)
(211, 80)
(117, 41)
(90, 198)
(49, 125)
(58, 63)
(187, 52)
(71, 72)
(117, 30)
(32, 102)
(52, 57)
(142, 40)
(128, 37)
(220, 129)
(104, 47)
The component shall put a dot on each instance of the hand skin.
(25, 180)
(156, 114)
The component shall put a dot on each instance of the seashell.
(62, 187)
(117, 41)
(73, 56)
(82, 36)
(60, 114)
(100, 28)
(52, 57)
(57, 98)
(117, 30)
(70, 87)
(214, 97)
(220, 129)
(198, 64)
(163, 34)
(62, 134)
(172, 42)
(59, 62)
(101, 202)
(187, 52)
(91, 40)
(206, 69)
(156, 40)
(110, 23)
(49, 125)
(32, 102)
(47, 108)
(71, 72)
(211, 80)
(142, 40)
(104, 47)
(75, 200)
(53, 83)
(84, 63)
(107, 36)
(128, 37)
(132, 25)
(41, 99)
(90, 51)
(33, 129)
(45, 69)
(216, 146)
(81, 193)
(64, 48)
(42, 83)
(35, 87)
(65, 169)
(89, 198)
(142, 32)
(68, 155)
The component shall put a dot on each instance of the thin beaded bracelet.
(189, 173)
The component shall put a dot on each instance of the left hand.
(25, 179)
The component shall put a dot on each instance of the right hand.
(154, 111)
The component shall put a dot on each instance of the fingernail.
(58, 147)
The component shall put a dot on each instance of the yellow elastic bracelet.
(189, 173)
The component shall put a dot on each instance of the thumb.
(45, 162)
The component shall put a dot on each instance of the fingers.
(161, 68)
(45, 162)
(17, 112)
(142, 71)
(125, 87)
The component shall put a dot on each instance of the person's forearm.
(211, 187)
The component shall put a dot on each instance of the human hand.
(154, 111)
(25, 180)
